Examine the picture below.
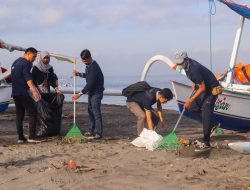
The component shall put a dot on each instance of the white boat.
(5, 95)
(5, 91)
(5, 88)
(232, 106)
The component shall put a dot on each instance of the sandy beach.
(113, 163)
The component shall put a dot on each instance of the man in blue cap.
(201, 103)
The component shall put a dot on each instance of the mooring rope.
(212, 11)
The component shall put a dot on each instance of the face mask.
(179, 68)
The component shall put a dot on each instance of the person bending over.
(140, 104)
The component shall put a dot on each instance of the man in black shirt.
(140, 104)
(201, 103)
(94, 87)
(22, 83)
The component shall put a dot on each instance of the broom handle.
(178, 121)
(74, 93)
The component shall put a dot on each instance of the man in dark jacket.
(22, 83)
(140, 104)
(201, 103)
(94, 87)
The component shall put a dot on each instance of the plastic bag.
(49, 114)
(44, 118)
(148, 139)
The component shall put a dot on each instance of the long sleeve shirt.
(20, 72)
(198, 73)
(39, 77)
(94, 79)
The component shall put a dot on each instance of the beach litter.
(184, 142)
(72, 165)
(219, 131)
(201, 172)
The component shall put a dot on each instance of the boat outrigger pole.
(151, 61)
(234, 55)
(157, 58)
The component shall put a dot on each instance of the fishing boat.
(6, 88)
(231, 108)
(5, 92)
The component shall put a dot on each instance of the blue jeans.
(95, 115)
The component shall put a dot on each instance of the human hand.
(187, 104)
(163, 124)
(76, 96)
(36, 94)
(193, 86)
(75, 73)
(57, 90)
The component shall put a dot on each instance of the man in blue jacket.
(22, 83)
(94, 88)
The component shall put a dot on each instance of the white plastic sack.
(138, 142)
(242, 147)
(148, 138)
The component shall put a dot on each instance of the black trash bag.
(49, 114)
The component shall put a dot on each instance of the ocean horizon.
(117, 83)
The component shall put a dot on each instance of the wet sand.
(113, 163)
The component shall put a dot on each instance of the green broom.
(74, 134)
(171, 141)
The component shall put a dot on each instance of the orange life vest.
(242, 73)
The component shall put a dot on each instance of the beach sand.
(113, 163)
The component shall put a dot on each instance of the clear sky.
(122, 34)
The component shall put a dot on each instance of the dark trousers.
(95, 115)
(202, 109)
(25, 103)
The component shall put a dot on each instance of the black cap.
(85, 54)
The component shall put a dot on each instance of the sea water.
(117, 83)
